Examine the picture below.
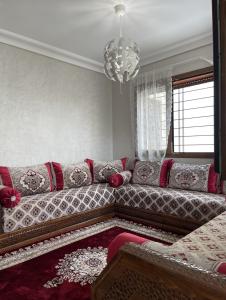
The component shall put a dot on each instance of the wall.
(122, 132)
(50, 110)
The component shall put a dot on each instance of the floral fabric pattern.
(82, 265)
(31, 180)
(189, 177)
(76, 175)
(147, 172)
(40, 208)
(190, 205)
(205, 247)
(102, 170)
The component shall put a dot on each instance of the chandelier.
(122, 55)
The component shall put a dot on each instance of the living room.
(112, 173)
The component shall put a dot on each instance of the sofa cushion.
(40, 208)
(118, 179)
(153, 173)
(205, 247)
(193, 205)
(71, 175)
(101, 170)
(28, 180)
(9, 197)
(194, 177)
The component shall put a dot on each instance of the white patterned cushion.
(198, 206)
(72, 175)
(205, 247)
(152, 172)
(39, 208)
(28, 180)
(103, 169)
(189, 177)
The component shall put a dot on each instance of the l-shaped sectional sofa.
(173, 196)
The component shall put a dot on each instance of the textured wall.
(50, 110)
(122, 131)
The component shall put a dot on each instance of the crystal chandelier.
(122, 55)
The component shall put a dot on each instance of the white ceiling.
(83, 27)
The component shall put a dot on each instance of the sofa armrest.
(137, 274)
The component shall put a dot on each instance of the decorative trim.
(179, 48)
(24, 254)
(20, 41)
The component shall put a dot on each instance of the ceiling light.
(122, 55)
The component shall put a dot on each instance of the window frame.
(170, 152)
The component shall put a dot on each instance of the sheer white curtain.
(151, 108)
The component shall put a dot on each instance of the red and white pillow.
(71, 175)
(152, 172)
(9, 197)
(200, 178)
(28, 180)
(102, 170)
(118, 179)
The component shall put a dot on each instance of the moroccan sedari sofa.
(193, 268)
(60, 206)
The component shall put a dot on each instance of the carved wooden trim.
(162, 221)
(131, 277)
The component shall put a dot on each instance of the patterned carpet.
(63, 267)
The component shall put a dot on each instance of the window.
(193, 114)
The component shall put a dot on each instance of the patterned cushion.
(118, 179)
(152, 172)
(101, 170)
(194, 177)
(205, 247)
(40, 208)
(28, 180)
(197, 206)
(72, 176)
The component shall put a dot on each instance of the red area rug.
(64, 267)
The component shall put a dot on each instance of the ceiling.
(83, 27)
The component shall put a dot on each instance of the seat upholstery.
(205, 247)
(43, 207)
(198, 206)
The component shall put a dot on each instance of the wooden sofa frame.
(134, 276)
(35, 233)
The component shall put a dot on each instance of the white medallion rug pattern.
(24, 254)
(81, 266)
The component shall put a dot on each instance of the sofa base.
(36, 233)
(46, 230)
(165, 222)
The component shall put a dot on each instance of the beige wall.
(122, 133)
(50, 110)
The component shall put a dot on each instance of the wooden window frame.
(170, 152)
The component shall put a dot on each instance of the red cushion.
(121, 240)
(165, 169)
(213, 180)
(115, 180)
(9, 197)
(221, 268)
